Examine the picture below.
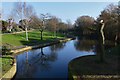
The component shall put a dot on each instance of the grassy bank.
(5, 64)
(91, 65)
(15, 40)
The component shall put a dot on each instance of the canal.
(51, 61)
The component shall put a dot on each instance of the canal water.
(51, 61)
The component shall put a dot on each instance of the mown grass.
(14, 41)
(91, 65)
(34, 38)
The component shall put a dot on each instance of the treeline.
(51, 24)
(83, 26)
(86, 25)
(24, 18)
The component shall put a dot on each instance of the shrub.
(6, 31)
(5, 50)
(16, 29)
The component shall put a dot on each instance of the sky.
(63, 10)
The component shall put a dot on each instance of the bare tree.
(10, 24)
(24, 11)
(53, 24)
(39, 23)
(69, 23)
(43, 18)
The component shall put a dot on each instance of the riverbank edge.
(40, 45)
(74, 77)
(88, 77)
(10, 73)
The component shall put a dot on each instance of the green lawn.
(90, 65)
(34, 38)
(19, 40)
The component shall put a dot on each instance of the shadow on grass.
(7, 57)
(32, 42)
(90, 65)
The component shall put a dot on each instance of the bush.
(16, 29)
(6, 50)
(6, 31)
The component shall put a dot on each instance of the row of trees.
(27, 19)
(84, 25)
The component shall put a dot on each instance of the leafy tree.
(84, 24)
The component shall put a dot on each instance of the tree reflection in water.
(57, 47)
(54, 49)
(31, 61)
(85, 45)
(92, 45)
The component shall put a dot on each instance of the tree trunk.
(26, 33)
(41, 34)
(54, 34)
(102, 33)
(102, 42)
(102, 53)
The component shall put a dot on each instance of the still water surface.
(49, 62)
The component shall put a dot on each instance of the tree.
(110, 16)
(69, 24)
(22, 23)
(36, 23)
(10, 24)
(102, 42)
(52, 24)
(84, 24)
(69, 28)
(24, 11)
(109, 24)
(39, 23)
(63, 27)
(118, 11)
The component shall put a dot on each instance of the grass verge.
(5, 64)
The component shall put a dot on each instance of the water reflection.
(38, 57)
(85, 45)
(100, 50)
(46, 62)
(57, 47)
